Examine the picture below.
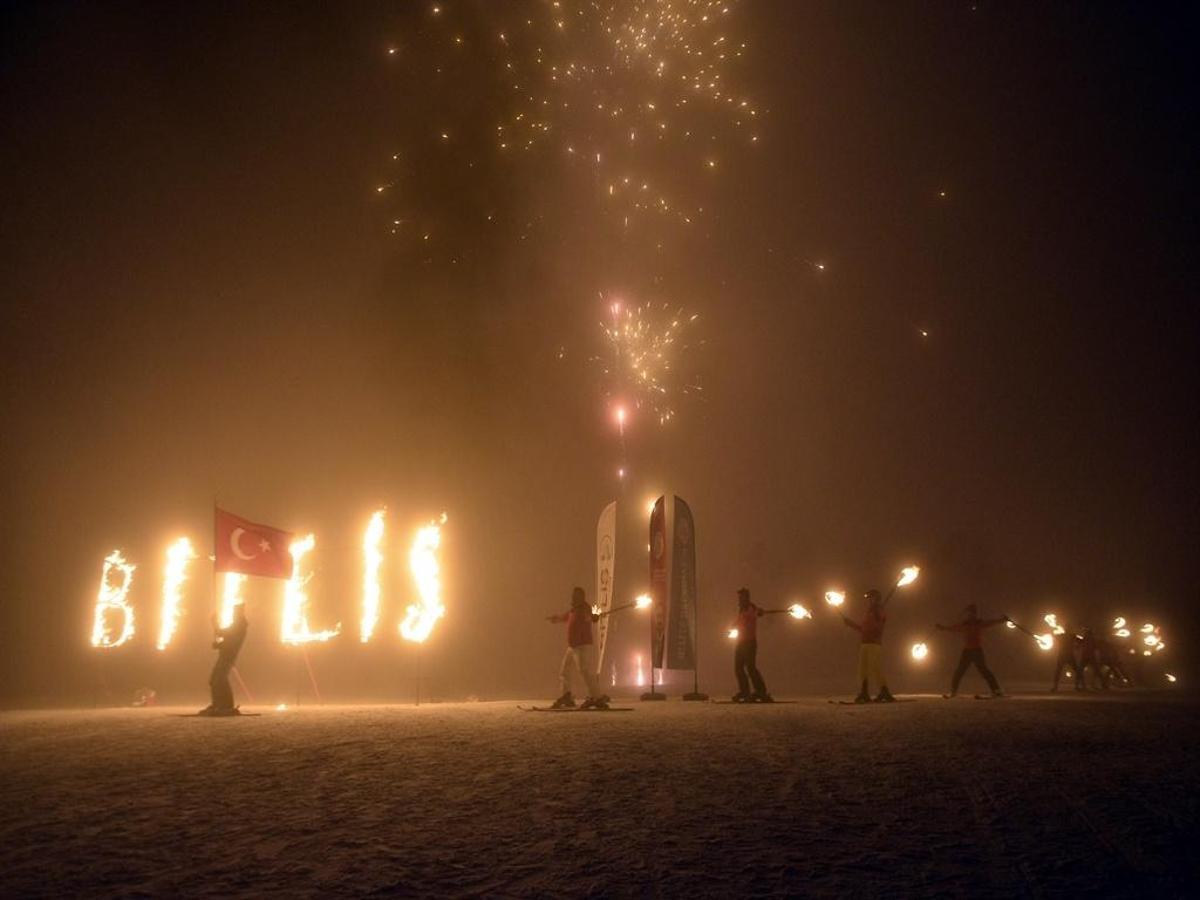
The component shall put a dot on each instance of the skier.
(745, 653)
(1089, 657)
(1066, 660)
(972, 628)
(228, 643)
(870, 651)
(1110, 659)
(579, 619)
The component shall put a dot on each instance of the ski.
(575, 709)
(751, 702)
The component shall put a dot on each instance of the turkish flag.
(251, 549)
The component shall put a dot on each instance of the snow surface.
(1030, 796)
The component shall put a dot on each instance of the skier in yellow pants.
(870, 651)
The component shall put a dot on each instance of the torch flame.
(733, 633)
(643, 601)
(296, 629)
(1171, 678)
(1045, 641)
(423, 562)
(1147, 628)
(1011, 624)
(796, 611)
(179, 554)
(920, 651)
(111, 597)
(1118, 623)
(1052, 620)
(908, 575)
(835, 598)
(641, 674)
(372, 561)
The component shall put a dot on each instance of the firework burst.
(645, 345)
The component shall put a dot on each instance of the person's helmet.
(578, 596)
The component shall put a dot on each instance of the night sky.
(946, 315)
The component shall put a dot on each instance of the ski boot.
(739, 697)
(566, 701)
(884, 696)
(762, 698)
(596, 702)
(864, 696)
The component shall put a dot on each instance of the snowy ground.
(1029, 796)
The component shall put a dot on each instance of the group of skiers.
(1077, 654)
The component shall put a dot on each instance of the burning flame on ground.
(231, 596)
(296, 629)
(908, 575)
(422, 561)
(372, 560)
(835, 598)
(281, 707)
(920, 651)
(111, 597)
(796, 611)
(179, 554)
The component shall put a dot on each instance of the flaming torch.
(920, 651)
(296, 629)
(179, 554)
(112, 598)
(907, 576)
(835, 598)
(733, 634)
(372, 560)
(796, 611)
(420, 617)
(642, 601)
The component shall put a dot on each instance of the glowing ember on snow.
(908, 575)
(796, 611)
(920, 651)
(423, 562)
(296, 629)
(179, 554)
(835, 598)
(372, 560)
(281, 707)
(231, 596)
(111, 599)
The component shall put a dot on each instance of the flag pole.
(311, 677)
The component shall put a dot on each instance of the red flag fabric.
(251, 549)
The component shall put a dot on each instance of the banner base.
(654, 695)
(696, 696)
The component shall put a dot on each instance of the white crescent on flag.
(235, 539)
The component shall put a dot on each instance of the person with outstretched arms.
(972, 628)
(580, 653)
(870, 649)
(745, 652)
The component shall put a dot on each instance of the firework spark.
(636, 100)
(645, 347)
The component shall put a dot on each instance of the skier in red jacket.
(580, 653)
(971, 629)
